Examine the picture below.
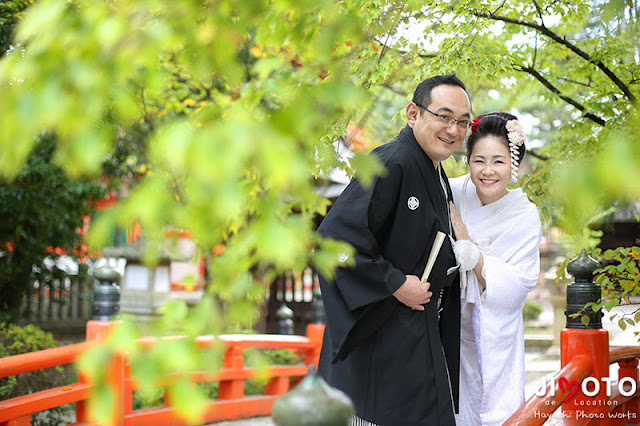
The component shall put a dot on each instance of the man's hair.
(422, 94)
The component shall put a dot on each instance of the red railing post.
(629, 370)
(127, 400)
(277, 386)
(115, 378)
(233, 358)
(595, 345)
(99, 331)
(315, 333)
(82, 411)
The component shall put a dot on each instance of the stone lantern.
(144, 287)
(106, 294)
(582, 291)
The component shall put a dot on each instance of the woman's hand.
(459, 228)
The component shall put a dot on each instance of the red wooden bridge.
(570, 399)
(231, 402)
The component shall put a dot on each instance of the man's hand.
(414, 293)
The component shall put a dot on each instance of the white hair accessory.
(516, 136)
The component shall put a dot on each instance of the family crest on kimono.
(498, 234)
(392, 341)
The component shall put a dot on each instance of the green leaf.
(611, 303)
(101, 404)
(187, 399)
(622, 324)
(173, 313)
(280, 242)
(367, 168)
(330, 254)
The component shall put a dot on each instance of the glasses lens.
(447, 120)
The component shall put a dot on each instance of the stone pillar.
(284, 320)
(106, 294)
(585, 339)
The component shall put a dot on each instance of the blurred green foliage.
(531, 310)
(619, 278)
(16, 340)
(221, 115)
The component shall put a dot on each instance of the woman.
(498, 234)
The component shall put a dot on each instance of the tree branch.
(563, 41)
(423, 55)
(393, 89)
(568, 80)
(536, 154)
(386, 83)
(384, 45)
(403, 52)
(535, 3)
(499, 7)
(147, 115)
(535, 52)
(546, 83)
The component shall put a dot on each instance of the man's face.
(438, 139)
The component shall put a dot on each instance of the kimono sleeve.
(513, 267)
(361, 217)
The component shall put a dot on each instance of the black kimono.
(387, 357)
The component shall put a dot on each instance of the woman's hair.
(493, 124)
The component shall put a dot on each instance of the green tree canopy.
(235, 105)
(42, 209)
(10, 13)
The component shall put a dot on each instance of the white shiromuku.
(508, 233)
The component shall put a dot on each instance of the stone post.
(318, 315)
(284, 320)
(106, 294)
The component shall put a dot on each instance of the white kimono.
(508, 233)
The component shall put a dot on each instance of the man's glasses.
(448, 120)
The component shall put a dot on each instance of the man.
(387, 332)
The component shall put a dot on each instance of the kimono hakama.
(398, 366)
(508, 233)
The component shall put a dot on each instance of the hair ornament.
(475, 124)
(516, 136)
(515, 133)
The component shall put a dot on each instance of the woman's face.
(490, 167)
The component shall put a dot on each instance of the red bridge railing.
(583, 389)
(618, 409)
(231, 402)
